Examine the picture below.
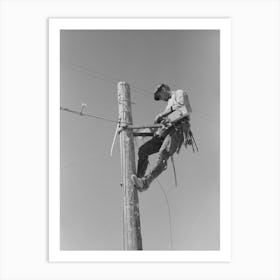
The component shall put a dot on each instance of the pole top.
(122, 83)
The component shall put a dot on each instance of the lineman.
(166, 141)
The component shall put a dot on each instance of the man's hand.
(158, 118)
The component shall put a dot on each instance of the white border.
(55, 254)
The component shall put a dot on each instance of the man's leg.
(150, 147)
(167, 149)
(142, 183)
(161, 165)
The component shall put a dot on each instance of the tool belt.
(183, 127)
(167, 127)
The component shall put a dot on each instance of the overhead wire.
(137, 89)
(104, 77)
(87, 115)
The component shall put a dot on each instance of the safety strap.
(193, 141)
(174, 170)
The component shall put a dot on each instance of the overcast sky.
(92, 63)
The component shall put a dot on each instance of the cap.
(158, 90)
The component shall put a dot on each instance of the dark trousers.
(166, 146)
(151, 147)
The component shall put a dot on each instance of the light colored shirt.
(179, 100)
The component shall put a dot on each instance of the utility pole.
(131, 215)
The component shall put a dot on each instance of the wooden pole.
(132, 229)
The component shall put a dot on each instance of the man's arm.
(168, 110)
(179, 102)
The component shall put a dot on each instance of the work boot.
(142, 184)
(139, 183)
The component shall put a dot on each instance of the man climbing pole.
(175, 131)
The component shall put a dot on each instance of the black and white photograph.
(140, 140)
(166, 72)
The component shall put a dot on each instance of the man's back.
(179, 102)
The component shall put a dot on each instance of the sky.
(92, 63)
